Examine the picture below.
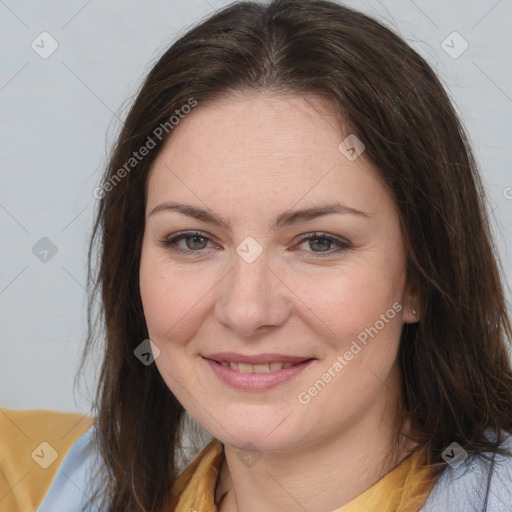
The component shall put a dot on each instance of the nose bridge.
(251, 297)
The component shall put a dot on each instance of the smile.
(258, 376)
(256, 368)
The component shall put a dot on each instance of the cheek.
(363, 311)
(172, 299)
(342, 304)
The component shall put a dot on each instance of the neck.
(318, 477)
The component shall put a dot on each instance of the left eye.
(197, 241)
(324, 243)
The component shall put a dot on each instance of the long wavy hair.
(456, 379)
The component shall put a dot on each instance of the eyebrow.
(286, 218)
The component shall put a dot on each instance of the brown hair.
(455, 371)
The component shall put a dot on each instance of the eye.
(323, 243)
(194, 241)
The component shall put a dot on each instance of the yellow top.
(404, 489)
(33, 444)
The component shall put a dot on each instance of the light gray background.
(58, 118)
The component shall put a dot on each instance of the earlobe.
(412, 309)
(411, 315)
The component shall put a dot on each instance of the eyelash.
(170, 243)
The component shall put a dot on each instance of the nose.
(252, 299)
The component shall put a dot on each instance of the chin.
(267, 433)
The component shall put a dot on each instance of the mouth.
(259, 363)
(274, 366)
(256, 373)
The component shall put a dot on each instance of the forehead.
(263, 149)
(258, 125)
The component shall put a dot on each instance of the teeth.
(256, 368)
(244, 368)
(261, 368)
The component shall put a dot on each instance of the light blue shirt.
(460, 489)
(477, 485)
(71, 488)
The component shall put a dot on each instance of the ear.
(412, 307)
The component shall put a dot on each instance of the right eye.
(195, 241)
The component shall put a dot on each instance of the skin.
(248, 158)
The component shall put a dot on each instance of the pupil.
(195, 239)
(325, 241)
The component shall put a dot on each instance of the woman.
(294, 218)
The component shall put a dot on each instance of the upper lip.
(232, 357)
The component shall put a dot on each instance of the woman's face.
(268, 278)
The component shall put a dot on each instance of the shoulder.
(33, 445)
(476, 485)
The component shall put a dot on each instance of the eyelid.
(323, 234)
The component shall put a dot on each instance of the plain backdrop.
(59, 115)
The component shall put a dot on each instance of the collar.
(403, 489)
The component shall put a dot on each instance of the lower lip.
(256, 381)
